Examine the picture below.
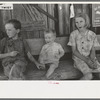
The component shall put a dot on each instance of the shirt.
(84, 42)
(50, 53)
(8, 45)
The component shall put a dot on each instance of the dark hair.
(50, 31)
(16, 23)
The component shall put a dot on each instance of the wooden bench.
(36, 44)
(65, 70)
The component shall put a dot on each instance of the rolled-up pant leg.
(7, 69)
(15, 71)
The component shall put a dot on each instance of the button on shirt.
(84, 42)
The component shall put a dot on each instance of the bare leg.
(87, 76)
(51, 69)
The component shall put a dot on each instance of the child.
(13, 50)
(83, 42)
(51, 52)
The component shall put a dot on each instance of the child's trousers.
(15, 70)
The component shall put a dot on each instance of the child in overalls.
(13, 50)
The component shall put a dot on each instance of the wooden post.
(85, 8)
(60, 14)
(43, 6)
(66, 19)
(51, 12)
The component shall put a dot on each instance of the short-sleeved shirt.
(49, 52)
(84, 44)
(8, 45)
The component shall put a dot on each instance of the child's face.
(49, 38)
(11, 31)
(80, 23)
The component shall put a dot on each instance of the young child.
(51, 52)
(13, 50)
(83, 42)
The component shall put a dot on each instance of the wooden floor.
(65, 72)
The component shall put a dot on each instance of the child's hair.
(85, 17)
(16, 23)
(50, 31)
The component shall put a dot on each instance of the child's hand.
(39, 66)
(91, 64)
(13, 53)
(42, 66)
(57, 55)
(95, 63)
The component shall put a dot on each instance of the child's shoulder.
(20, 39)
(57, 44)
(90, 32)
(75, 32)
(3, 40)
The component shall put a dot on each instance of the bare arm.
(4, 55)
(93, 56)
(77, 54)
(61, 53)
(12, 54)
(92, 53)
(87, 60)
(33, 60)
(31, 57)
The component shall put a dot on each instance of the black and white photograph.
(49, 41)
(49, 49)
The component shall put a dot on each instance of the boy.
(13, 50)
(51, 53)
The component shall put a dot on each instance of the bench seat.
(65, 71)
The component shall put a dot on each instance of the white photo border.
(47, 89)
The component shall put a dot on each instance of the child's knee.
(15, 71)
(90, 76)
(87, 76)
(54, 65)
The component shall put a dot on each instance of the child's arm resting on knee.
(60, 53)
(87, 60)
(93, 56)
(33, 60)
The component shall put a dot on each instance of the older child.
(51, 52)
(13, 50)
(83, 42)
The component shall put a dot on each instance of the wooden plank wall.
(36, 44)
(34, 22)
(78, 8)
(64, 20)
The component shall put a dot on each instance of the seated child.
(51, 52)
(13, 50)
(83, 42)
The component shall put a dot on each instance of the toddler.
(51, 52)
